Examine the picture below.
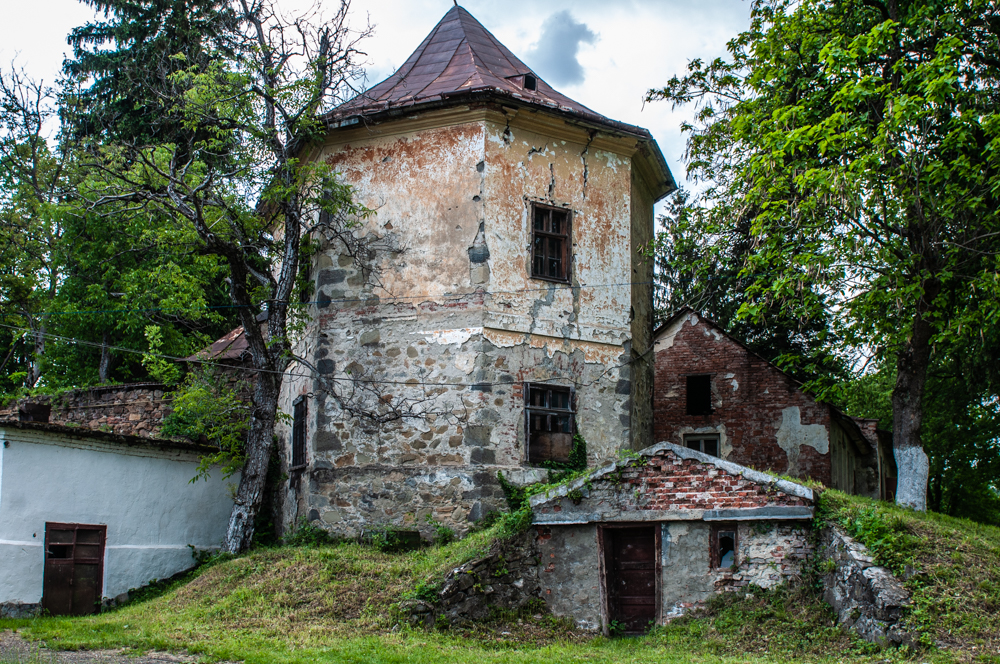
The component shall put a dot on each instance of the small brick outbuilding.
(713, 394)
(641, 540)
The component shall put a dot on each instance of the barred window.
(299, 432)
(549, 423)
(550, 243)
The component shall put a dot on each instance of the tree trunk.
(907, 406)
(35, 367)
(260, 439)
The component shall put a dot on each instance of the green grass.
(951, 566)
(336, 603)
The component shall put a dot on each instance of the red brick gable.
(669, 478)
(749, 397)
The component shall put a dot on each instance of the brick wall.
(666, 481)
(749, 400)
(133, 410)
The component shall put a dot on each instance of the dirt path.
(15, 650)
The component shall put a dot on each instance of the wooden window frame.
(529, 409)
(691, 437)
(299, 433)
(567, 238)
(713, 544)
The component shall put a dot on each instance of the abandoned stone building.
(714, 395)
(643, 539)
(503, 296)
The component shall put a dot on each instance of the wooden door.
(630, 568)
(74, 568)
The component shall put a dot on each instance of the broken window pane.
(727, 548)
(699, 395)
(550, 423)
(550, 243)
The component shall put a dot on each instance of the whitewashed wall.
(143, 495)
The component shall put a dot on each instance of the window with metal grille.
(299, 432)
(706, 444)
(549, 414)
(724, 546)
(550, 243)
(699, 395)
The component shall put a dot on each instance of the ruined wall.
(762, 418)
(569, 573)
(436, 327)
(131, 410)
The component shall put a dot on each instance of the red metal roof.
(229, 348)
(461, 56)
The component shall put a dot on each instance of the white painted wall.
(142, 494)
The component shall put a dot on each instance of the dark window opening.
(550, 242)
(724, 547)
(60, 551)
(706, 444)
(529, 82)
(699, 395)
(299, 433)
(549, 414)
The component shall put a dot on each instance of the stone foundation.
(19, 610)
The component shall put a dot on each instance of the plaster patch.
(793, 434)
(448, 337)
(666, 340)
(465, 362)
(911, 471)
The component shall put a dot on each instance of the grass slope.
(335, 604)
(951, 567)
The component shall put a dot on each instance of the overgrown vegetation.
(951, 566)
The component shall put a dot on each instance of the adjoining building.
(714, 395)
(643, 539)
(87, 515)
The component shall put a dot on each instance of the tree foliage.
(858, 139)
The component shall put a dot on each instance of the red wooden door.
(630, 565)
(74, 568)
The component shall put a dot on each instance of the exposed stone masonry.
(131, 410)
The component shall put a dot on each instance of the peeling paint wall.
(569, 573)
(441, 323)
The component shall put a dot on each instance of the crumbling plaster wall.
(442, 321)
(770, 553)
(762, 418)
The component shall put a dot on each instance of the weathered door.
(630, 566)
(74, 568)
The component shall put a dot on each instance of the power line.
(381, 299)
(477, 385)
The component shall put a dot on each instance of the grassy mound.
(951, 566)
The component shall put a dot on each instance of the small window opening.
(34, 412)
(550, 423)
(550, 242)
(60, 551)
(699, 395)
(706, 444)
(724, 547)
(299, 433)
(529, 82)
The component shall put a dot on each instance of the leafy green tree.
(237, 177)
(708, 273)
(860, 137)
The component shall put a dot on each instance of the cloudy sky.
(603, 53)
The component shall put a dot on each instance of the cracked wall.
(438, 330)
